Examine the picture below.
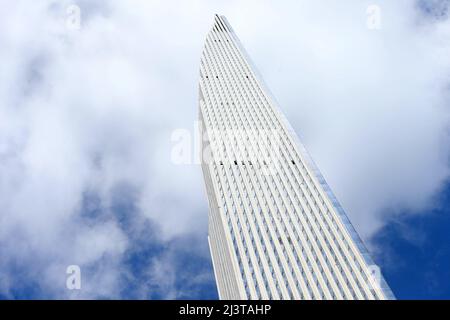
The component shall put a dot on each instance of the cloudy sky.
(88, 107)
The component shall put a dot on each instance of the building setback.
(276, 231)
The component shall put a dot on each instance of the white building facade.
(276, 231)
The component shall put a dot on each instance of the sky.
(91, 93)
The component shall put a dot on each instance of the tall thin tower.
(276, 231)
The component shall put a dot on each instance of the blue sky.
(89, 109)
(415, 252)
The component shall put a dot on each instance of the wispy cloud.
(85, 171)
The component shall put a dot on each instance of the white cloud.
(371, 105)
(89, 111)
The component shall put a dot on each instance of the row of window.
(284, 190)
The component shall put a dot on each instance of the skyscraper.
(276, 231)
